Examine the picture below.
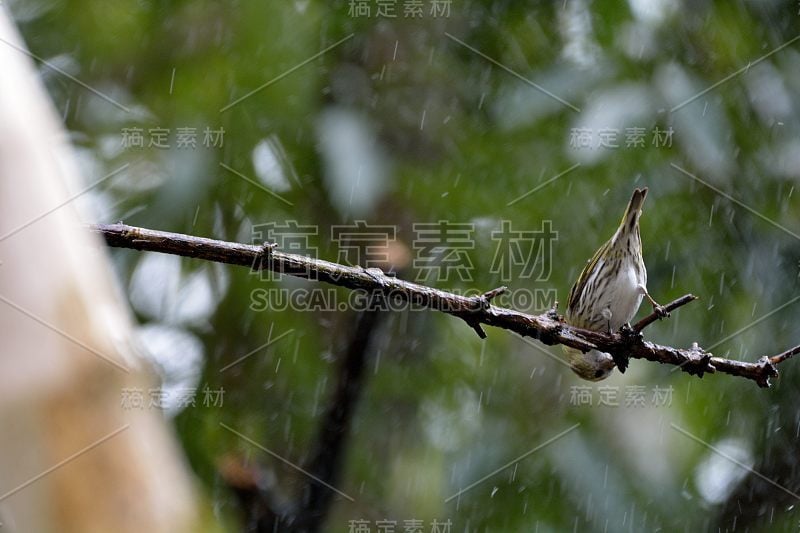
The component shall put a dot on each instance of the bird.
(609, 291)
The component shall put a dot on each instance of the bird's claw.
(552, 313)
(661, 311)
(629, 335)
(627, 330)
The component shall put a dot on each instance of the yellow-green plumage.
(609, 290)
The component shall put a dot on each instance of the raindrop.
(377, 362)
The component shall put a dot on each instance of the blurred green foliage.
(456, 137)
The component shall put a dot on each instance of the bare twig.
(548, 328)
(780, 358)
(663, 312)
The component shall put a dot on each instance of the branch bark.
(548, 328)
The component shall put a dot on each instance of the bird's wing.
(577, 288)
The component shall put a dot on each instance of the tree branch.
(548, 328)
(663, 312)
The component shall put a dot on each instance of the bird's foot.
(628, 332)
(660, 310)
(552, 313)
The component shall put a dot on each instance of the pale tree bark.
(72, 458)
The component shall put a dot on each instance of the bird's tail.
(592, 365)
(634, 210)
